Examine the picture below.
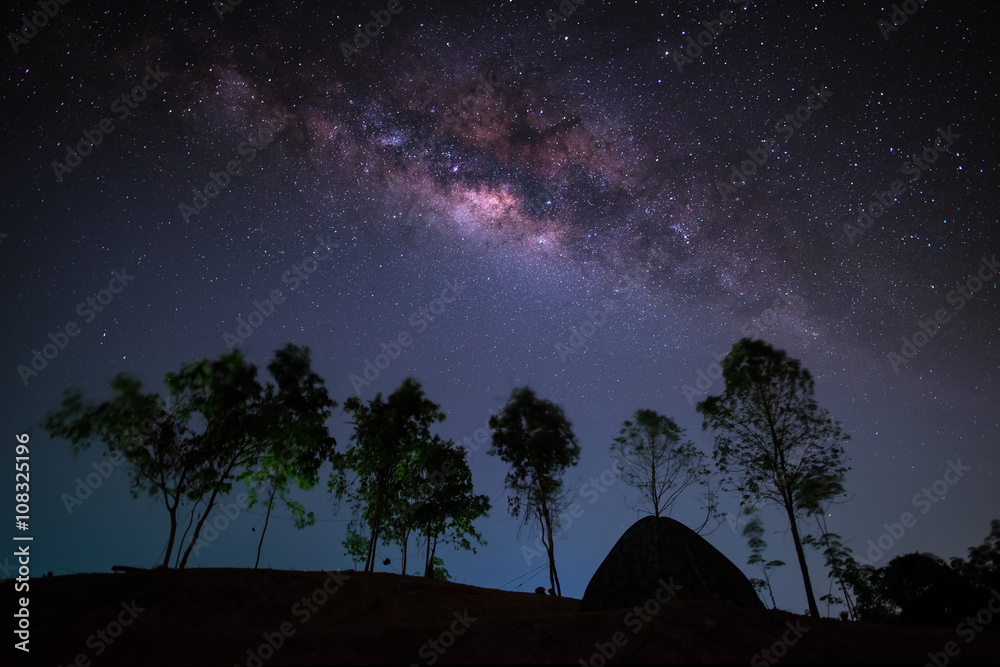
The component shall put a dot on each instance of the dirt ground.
(272, 617)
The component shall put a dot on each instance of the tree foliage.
(533, 436)
(301, 441)
(982, 569)
(651, 457)
(754, 532)
(439, 501)
(920, 589)
(774, 443)
(839, 561)
(402, 479)
(221, 425)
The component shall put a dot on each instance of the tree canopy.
(400, 477)
(222, 426)
(651, 457)
(774, 443)
(533, 436)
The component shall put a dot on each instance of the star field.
(553, 167)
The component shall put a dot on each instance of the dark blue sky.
(558, 172)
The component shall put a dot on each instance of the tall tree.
(162, 459)
(442, 502)
(651, 457)
(385, 432)
(774, 443)
(533, 436)
(301, 442)
(219, 427)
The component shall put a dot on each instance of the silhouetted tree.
(983, 566)
(651, 457)
(356, 546)
(775, 444)
(385, 434)
(301, 442)
(533, 436)
(838, 559)
(872, 603)
(438, 570)
(221, 425)
(441, 502)
(914, 589)
(754, 532)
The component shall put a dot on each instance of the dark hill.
(661, 554)
(214, 616)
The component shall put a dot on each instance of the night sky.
(551, 175)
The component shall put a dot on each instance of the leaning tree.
(533, 436)
(220, 425)
(774, 443)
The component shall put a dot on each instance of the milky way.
(554, 165)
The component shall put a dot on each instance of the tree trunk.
(376, 523)
(813, 609)
(267, 517)
(656, 496)
(173, 534)
(836, 568)
(184, 535)
(550, 547)
(406, 539)
(428, 564)
(197, 529)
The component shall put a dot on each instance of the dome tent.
(655, 549)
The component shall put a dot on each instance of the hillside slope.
(223, 616)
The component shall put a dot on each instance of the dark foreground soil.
(225, 616)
